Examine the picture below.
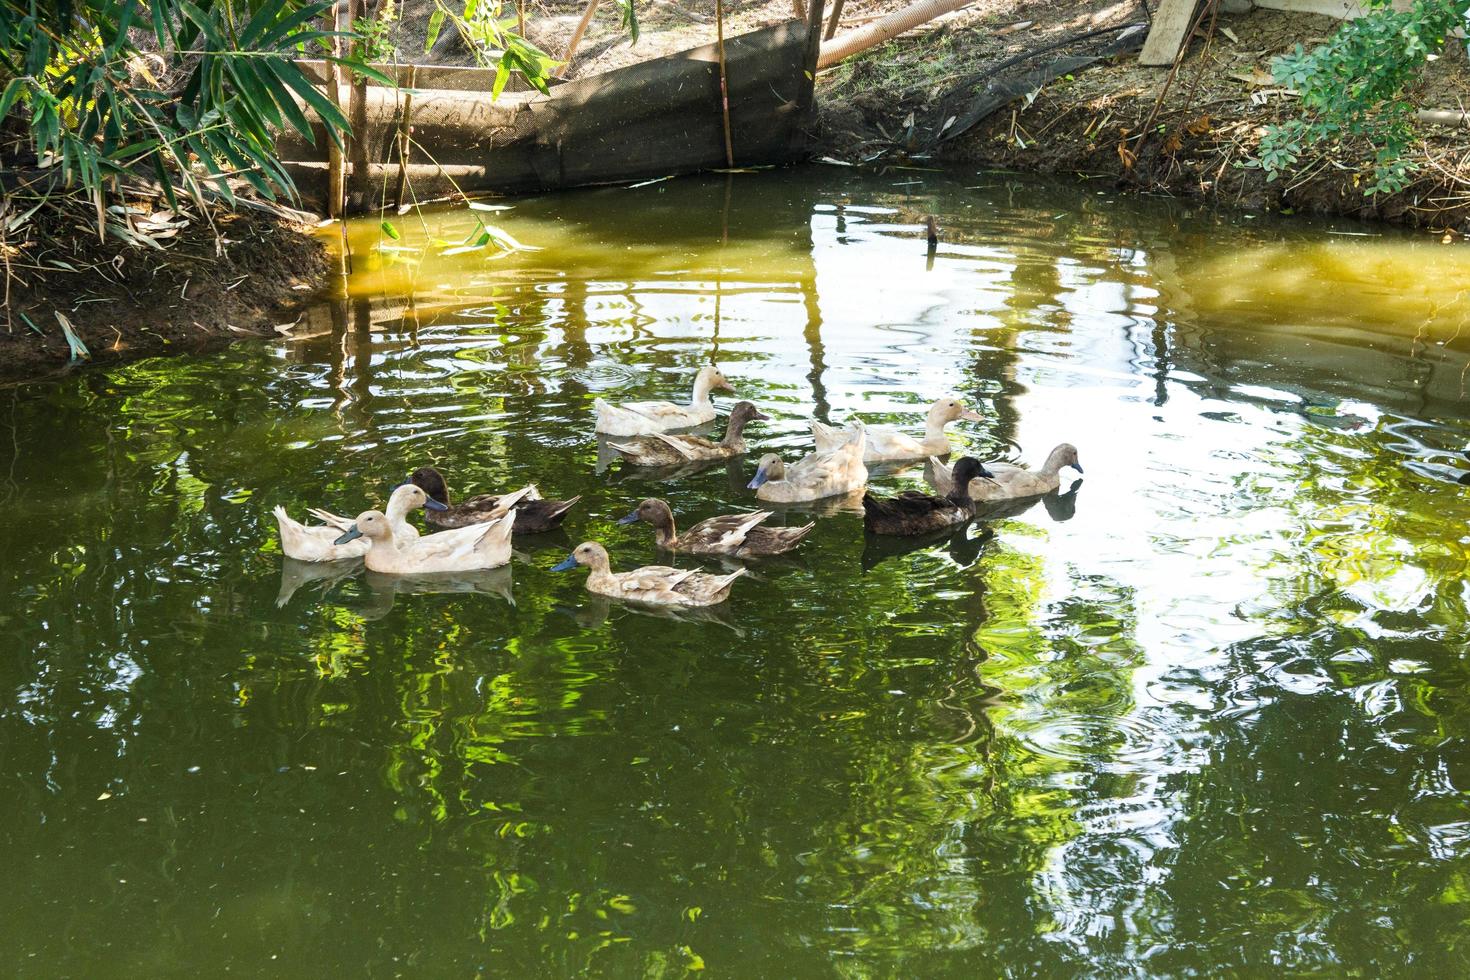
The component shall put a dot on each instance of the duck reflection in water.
(384, 589)
(598, 609)
(296, 573)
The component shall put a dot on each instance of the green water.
(1209, 715)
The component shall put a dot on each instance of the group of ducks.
(476, 533)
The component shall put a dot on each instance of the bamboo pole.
(405, 130)
(357, 181)
(724, 87)
(334, 92)
(889, 27)
(836, 19)
(581, 29)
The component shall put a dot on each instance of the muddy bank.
(208, 287)
(1195, 135)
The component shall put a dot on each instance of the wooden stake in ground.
(724, 87)
(1171, 27)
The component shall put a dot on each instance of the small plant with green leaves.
(489, 30)
(1352, 88)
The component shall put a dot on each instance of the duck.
(913, 513)
(464, 550)
(1006, 481)
(887, 444)
(737, 535)
(651, 418)
(657, 585)
(816, 475)
(666, 450)
(533, 514)
(318, 543)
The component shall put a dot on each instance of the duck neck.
(702, 386)
(959, 495)
(600, 577)
(664, 533)
(734, 435)
(1053, 465)
(397, 514)
(934, 429)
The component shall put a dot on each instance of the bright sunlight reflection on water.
(1206, 714)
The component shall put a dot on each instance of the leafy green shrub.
(1352, 87)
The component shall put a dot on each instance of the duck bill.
(986, 474)
(970, 415)
(566, 565)
(351, 534)
(432, 504)
(760, 417)
(760, 478)
(1077, 467)
(630, 519)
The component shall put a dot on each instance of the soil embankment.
(1191, 132)
(210, 285)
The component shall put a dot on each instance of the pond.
(1207, 713)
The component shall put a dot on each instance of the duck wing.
(330, 519)
(726, 532)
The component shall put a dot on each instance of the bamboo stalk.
(889, 27)
(835, 20)
(334, 92)
(581, 29)
(405, 129)
(357, 181)
(724, 87)
(799, 9)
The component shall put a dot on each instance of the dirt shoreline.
(206, 289)
(1198, 139)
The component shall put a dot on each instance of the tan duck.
(463, 550)
(1007, 481)
(653, 584)
(737, 535)
(912, 513)
(816, 475)
(890, 444)
(667, 450)
(650, 418)
(533, 514)
(319, 543)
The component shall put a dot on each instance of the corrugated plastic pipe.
(896, 23)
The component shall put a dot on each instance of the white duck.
(817, 475)
(653, 584)
(404, 499)
(307, 543)
(651, 418)
(890, 444)
(488, 546)
(1010, 482)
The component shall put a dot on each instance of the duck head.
(769, 467)
(432, 482)
(946, 410)
(409, 496)
(1063, 455)
(370, 524)
(710, 378)
(967, 469)
(588, 554)
(652, 511)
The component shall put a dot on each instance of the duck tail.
(559, 511)
(795, 534)
(827, 437)
(729, 580)
(497, 533)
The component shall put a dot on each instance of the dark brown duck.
(532, 515)
(913, 513)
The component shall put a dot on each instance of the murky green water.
(1209, 715)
